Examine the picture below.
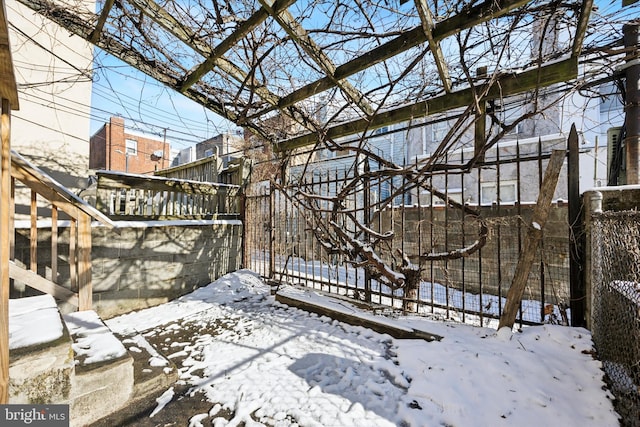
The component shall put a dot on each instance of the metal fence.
(615, 243)
(281, 246)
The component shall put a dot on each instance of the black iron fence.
(282, 240)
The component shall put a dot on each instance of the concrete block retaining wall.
(146, 264)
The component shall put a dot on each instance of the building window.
(439, 131)
(427, 199)
(131, 147)
(489, 193)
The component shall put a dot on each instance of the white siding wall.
(52, 126)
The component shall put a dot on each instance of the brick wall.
(143, 266)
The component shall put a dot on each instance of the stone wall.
(142, 264)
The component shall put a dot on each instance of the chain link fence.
(615, 243)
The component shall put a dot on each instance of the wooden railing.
(204, 170)
(209, 169)
(142, 197)
(58, 199)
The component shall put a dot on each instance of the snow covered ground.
(261, 363)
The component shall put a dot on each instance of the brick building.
(113, 148)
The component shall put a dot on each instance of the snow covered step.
(41, 360)
(104, 377)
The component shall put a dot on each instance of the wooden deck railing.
(142, 197)
(59, 199)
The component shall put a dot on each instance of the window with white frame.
(489, 192)
(426, 198)
(131, 147)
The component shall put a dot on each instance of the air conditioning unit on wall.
(616, 157)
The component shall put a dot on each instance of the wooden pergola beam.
(483, 12)
(426, 17)
(243, 29)
(300, 36)
(581, 28)
(167, 21)
(81, 28)
(504, 86)
(95, 34)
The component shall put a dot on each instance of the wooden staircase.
(43, 188)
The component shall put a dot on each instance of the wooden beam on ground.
(506, 85)
(534, 235)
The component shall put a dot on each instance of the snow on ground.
(271, 365)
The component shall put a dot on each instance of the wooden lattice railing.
(41, 274)
(142, 197)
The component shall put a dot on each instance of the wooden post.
(534, 235)
(5, 243)
(85, 289)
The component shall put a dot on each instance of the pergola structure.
(329, 69)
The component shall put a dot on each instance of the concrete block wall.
(494, 266)
(146, 264)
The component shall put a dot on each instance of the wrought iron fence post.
(272, 238)
(367, 220)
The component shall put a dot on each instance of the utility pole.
(632, 102)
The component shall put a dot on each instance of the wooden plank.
(300, 36)
(85, 290)
(40, 283)
(5, 243)
(581, 28)
(73, 242)
(12, 215)
(8, 87)
(95, 34)
(52, 191)
(54, 243)
(243, 28)
(426, 18)
(111, 181)
(506, 85)
(577, 289)
(534, 235)
(33, 233)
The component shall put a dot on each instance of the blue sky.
(149, 106)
